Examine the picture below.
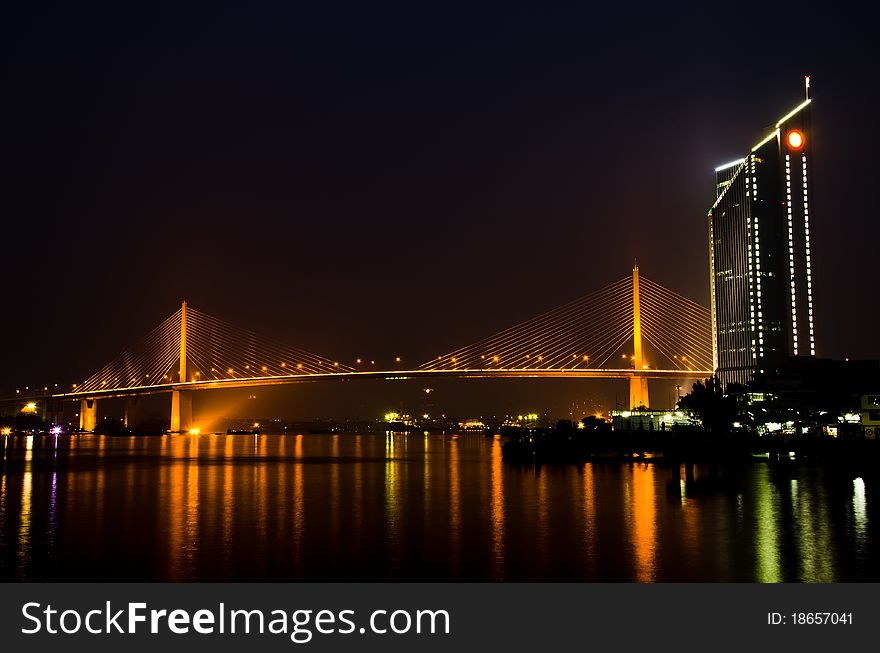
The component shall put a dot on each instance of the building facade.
(760, 253)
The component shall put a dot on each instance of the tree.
(715, 409)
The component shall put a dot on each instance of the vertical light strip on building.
(809, 261)
(760, 303)
(749, 173)
(712, 279)
(794, 333)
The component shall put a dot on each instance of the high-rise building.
(760, 256)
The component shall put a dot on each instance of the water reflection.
(860, 512)
(497, 518)
(393, 441)
(643, 525)
(454, 499)
(590, 532)
(299, 499)
(24, 521)
(766, 528)
(413, 507)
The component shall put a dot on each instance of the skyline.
(414, 276)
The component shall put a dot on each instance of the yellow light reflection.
(454, 508)
(392, 501)
(644, 527)
(299, 515)
(192, 501)
(767, 540)
(589, 501)
(24, 521)
(814, 538)
(860, 509)
(497, 511)
(336, 491)
(543, 513)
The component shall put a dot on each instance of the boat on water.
(254, 431)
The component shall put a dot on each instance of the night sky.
(383, 181)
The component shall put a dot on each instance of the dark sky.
(366, 180)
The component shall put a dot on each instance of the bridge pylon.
(181, 400)
(638, 384)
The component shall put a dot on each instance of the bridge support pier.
(181, 411)
(131, 411)
(638, 392)
(88, 414)
(54, 411)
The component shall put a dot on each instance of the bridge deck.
(392, 375)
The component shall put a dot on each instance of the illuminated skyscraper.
(760, 252)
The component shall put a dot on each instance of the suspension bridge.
(632, 329)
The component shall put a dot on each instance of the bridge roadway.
(390, 375)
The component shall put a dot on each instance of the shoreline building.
(760, 255)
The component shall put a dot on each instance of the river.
(415, 507)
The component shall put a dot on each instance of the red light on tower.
(795, 139)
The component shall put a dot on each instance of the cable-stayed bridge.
(632, 329)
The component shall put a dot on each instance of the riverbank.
(568, 445)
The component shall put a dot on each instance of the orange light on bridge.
(795, 139)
